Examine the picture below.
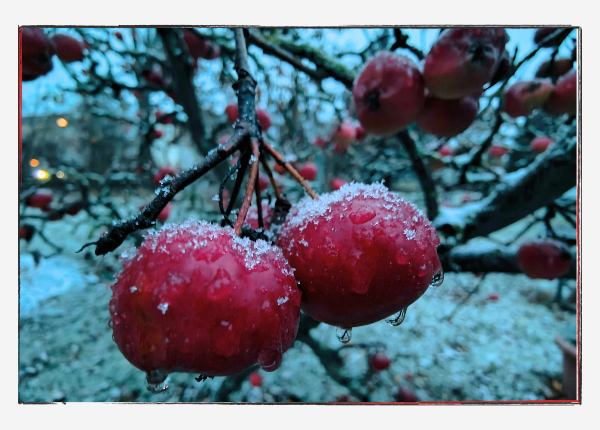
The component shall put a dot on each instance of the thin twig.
(239, 222)
(290, 169)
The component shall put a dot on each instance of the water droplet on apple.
(344, 335)
(397, 319)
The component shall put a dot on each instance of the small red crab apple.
(26, 232)
(522, 98)
(447, 118)
(263, 116)
(496, 151)
(463, 60)
(361, 254)
(252, 216)
(337, 183)
(196, 298)
(164, 171)
(309, 171)
(164, 214)
(388, 94)
(380, 361)
(68, 49)
(540, 144)
(563, 99)
(158, 134)
(41, 199)
(344, 134)
(445, 151)
(544, 259)
(256, 379)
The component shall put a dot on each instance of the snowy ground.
(490, 350)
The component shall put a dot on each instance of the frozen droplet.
(270, 359)
(344, 335)
(110, 323)
(438, 279)
(397, 319)
(157, 381)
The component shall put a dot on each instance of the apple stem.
(290, 169)
(239, 222)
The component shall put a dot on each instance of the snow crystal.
(282, 300)
(163, 307)
(410, 234)
(224, 323)
(215, 198)
(132, 289)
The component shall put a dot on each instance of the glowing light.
(34, 163)
(62, 123)
(60, 174)
(41, 174)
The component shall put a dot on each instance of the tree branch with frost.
(485, 258)
(422, 172)
(519, 194)
(169, 188)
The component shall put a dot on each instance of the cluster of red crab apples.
(197, 298)
(391, 92)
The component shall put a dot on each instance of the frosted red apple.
(447, 118)
(361, 254)
(522, 98)
(196, 298)
(388, 94)
(544, 259)
(463, 60)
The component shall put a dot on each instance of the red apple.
(522, 98)
(559, 68)
(68, 49)
(447, 118)
(563, 99)
(463, 60)
(36, 50)
(388, 94)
